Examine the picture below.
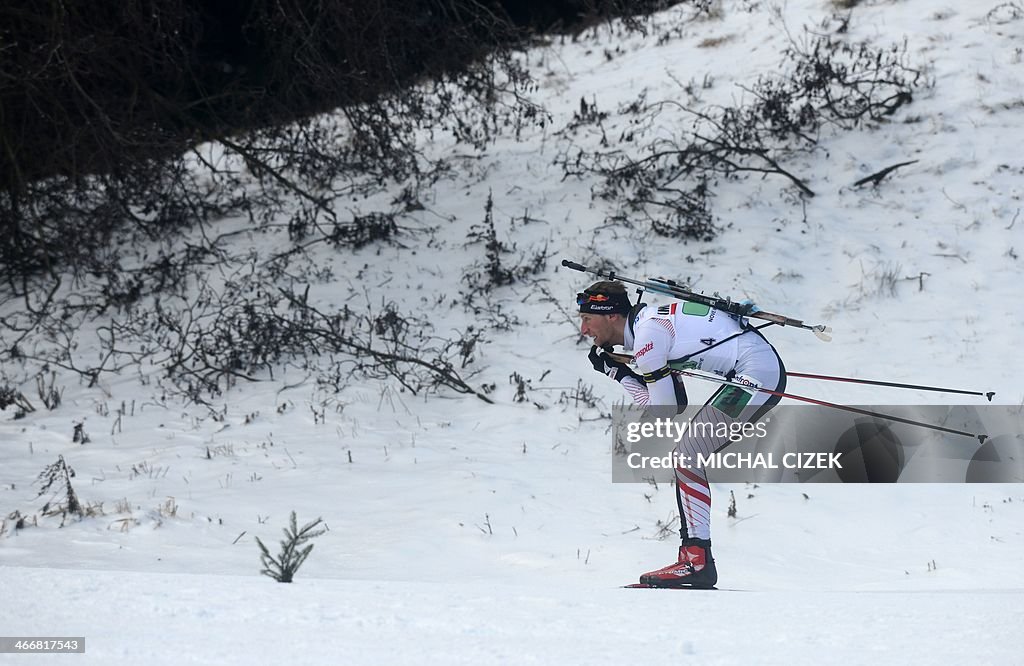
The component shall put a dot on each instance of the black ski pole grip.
(573, 265)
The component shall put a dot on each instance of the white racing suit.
(707, 340)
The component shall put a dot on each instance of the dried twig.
(877, 177)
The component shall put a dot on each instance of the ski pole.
(845, 408)
(675, 290)
(875, 382)
(626, 358)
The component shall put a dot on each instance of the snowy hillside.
(466, 532)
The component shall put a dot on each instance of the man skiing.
(706, 339)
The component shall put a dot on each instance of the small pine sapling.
(58, 477)
(292, 555)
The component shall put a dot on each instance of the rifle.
(676, 290)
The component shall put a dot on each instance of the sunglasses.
(583, 298)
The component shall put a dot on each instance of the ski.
(644, 586)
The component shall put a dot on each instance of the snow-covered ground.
(462, 532)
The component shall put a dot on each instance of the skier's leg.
(703, 437)
(694, 566)
(708, 433)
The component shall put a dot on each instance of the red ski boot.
(695, 568)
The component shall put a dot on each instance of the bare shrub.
(829, 82)
(497, 269)
(12, 396)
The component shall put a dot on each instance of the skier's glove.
(614, 369)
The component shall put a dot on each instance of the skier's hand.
(607, 366)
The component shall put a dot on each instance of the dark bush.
(127, 129)
(98, 102)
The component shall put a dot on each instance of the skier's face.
(605, 330)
